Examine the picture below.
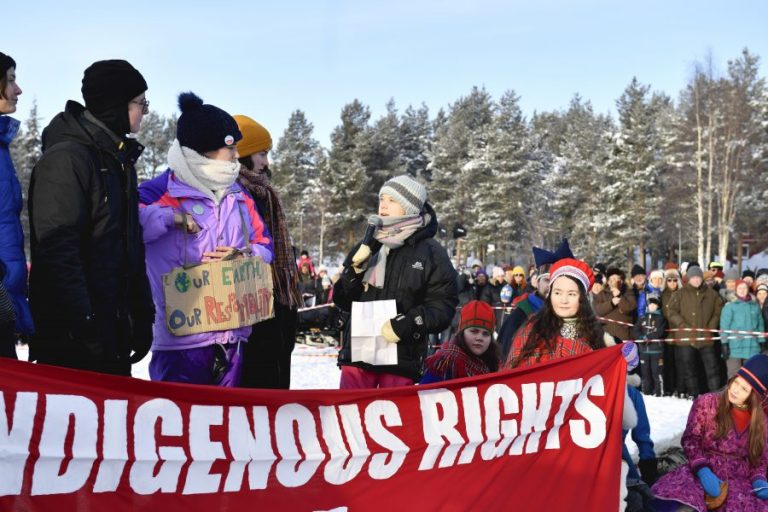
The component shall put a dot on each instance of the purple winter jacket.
(726, 457)
(220, 226)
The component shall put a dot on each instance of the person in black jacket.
(89, 291)
(405, 263)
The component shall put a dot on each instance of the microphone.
(374, 223)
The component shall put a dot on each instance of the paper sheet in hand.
(368, 345)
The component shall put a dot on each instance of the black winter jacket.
(421, 279)
(89, 291)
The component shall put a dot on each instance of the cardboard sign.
(218, 296)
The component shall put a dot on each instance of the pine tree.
(296, 176)
(416, 143)
(633, 173)
(346, 179)
(460, 167)
(156, 134)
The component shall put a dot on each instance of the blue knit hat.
(755, 371)
(204, 127)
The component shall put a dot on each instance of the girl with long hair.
(565, 325)
(724, 441)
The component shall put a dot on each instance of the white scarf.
(211, 177)
(392, 235)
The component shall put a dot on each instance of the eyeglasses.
(518, 275)
(144, 104)
(671, 279)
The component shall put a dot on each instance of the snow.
(315, 368)
(756, 261)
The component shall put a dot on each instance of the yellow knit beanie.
(255, 139)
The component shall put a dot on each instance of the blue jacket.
(742, 315)
(12, 247)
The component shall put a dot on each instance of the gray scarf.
(392, 235)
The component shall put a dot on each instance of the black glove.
(762, 347)
(85, 332)
(141, 336)
(726, 351)
(648, 470)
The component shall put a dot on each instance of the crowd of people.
(101, 244)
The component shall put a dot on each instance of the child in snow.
(650, 326)
(471, 351)
(724, 441)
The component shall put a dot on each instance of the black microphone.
(374, 223)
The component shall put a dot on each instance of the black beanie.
(204, 127)
(110, 84)
(6, 63)
(637, 270)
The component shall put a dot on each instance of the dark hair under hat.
(204, 127)
(755, 371)
(615, 271)
(6, 63)
(109, 84)
(637, 270)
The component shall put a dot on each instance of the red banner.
(543, 438)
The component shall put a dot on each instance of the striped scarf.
(285, 276)
(453, 362)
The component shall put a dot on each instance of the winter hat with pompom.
(204, 127)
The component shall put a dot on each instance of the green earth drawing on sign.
(182, 282)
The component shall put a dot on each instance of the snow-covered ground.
(315, 368)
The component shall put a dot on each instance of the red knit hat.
(477, 314)
(574, 268)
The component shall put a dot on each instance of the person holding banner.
(204, 215)
(724, 441)
(88, 287)
(565, 325)
(401, 262)
(471, 351)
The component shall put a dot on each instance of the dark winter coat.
(726, 457)
(484, 293)
(694, 308)
(89, 290)
(622, 312)
(11, 233)
(650, 326)
(421, 279)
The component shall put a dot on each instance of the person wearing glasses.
(202, 215)
(89, 291)
(15, 316)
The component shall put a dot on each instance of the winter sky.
(268, 58)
